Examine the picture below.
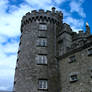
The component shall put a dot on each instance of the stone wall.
(81, 67)
(28, 72)
(63, 44)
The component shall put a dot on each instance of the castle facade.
(51, 57)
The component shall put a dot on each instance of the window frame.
(42, 26)
(89, 51)
(42, 59)
(42, 84)
(73, 77)
(42, 42)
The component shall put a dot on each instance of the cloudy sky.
(76, 13)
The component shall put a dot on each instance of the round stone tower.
(37, 68)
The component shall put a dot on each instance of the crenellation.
(28, 13)
(48, 12)
(53, 9)
(41, 14)
(81, 33)
(34, 12)
(41, 11)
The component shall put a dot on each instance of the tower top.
(87, 29)
(87, 24)
(41, 15)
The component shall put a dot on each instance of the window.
(73, 78)
(42, 59)
(43, 84)
(90, 72)
(19, 51)
(42, 42)
(90, 51)
(14, 82)
(72, 59)
(60, 45)
(42, 27)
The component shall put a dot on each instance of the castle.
(51, 57)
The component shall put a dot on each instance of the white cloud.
(2, 39)
(3, 88)
(7, 65)
(39, 4)
(10, 48)
(8, 55)
(7, 70)
(76, 6)
(10, 23)
(76, 24)
(66, 13)
(60, 1)
(3, 6)
(9, 28)
(45, 4)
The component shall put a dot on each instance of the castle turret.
(36, 69)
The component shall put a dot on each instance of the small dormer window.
(72, 59)
(89, 51)
(73, 77)
(42, 27)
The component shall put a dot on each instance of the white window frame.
(41, 59)
(90, 51)
(42, 42)
(75, 74)
(73, 78)
(43, 84)
(43, 27)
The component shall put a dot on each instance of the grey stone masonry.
(28, 71)
(51, 56)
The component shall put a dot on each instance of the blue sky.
(76, 13)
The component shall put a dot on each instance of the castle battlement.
(41, 15)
